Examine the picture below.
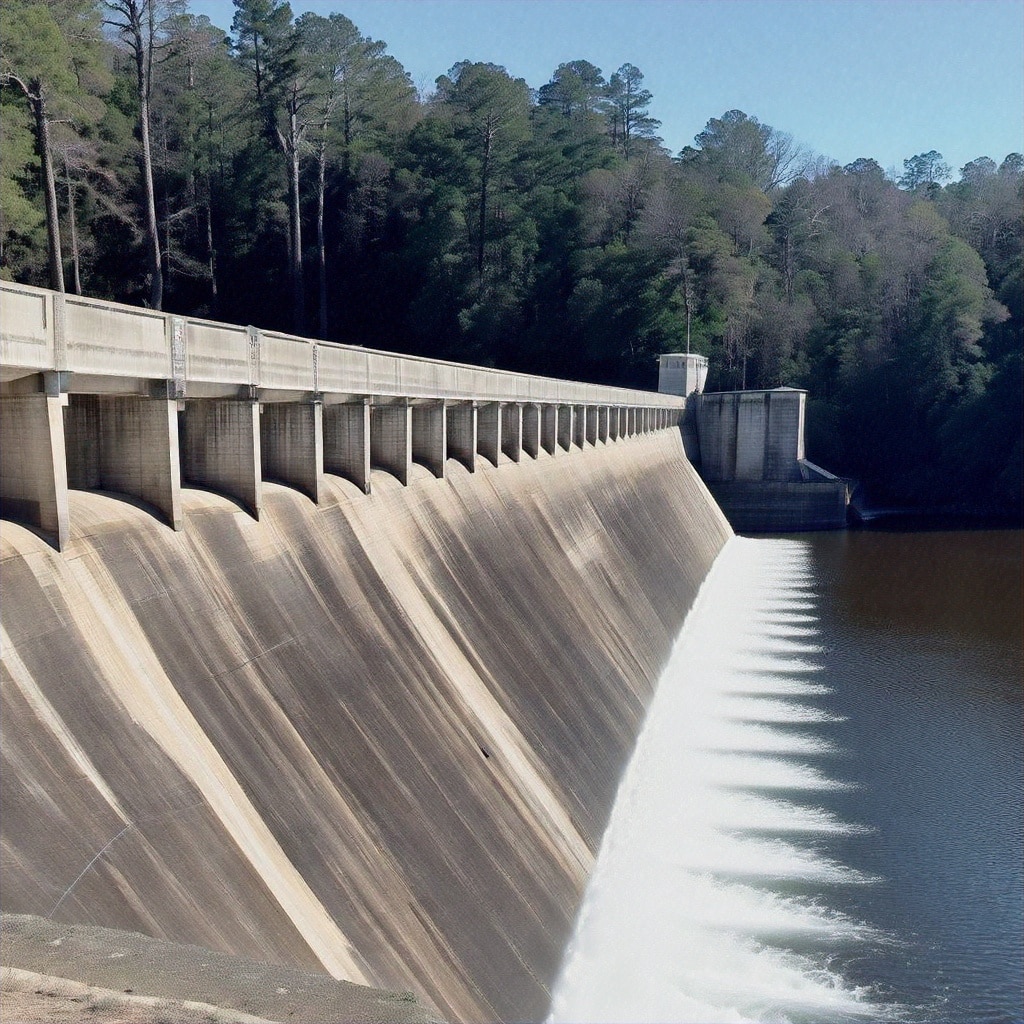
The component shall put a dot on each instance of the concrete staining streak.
(382, 735)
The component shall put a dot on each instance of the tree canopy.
(287, 173)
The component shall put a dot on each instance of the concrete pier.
(220, 449)
(565, 427)
(346, 442)
(430, 436)
(127, 444)
(549, 428)
(33, 464)
(531, 429)
(391, 439)
(462, 433)
(488, 426)
(590, 429)
(512, 430)
(579, 425)
(292, 445)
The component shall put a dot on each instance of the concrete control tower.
(682, 373)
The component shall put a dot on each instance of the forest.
(284, 172)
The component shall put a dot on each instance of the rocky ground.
(57, 972)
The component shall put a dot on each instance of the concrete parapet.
(549, 428)
(462, 433)
(220, 449)
(292, 445)
(531, 429)
(346, 442)
(430, 437)
(33, 463)
(391, 439)
(512, 430)
(488, 426)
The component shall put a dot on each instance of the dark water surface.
(922, 636)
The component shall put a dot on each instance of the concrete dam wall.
(379, 735)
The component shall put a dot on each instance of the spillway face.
(710, 898)
(381, 736)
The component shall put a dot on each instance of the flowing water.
(822, 818)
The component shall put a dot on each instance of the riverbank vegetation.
(288, 174)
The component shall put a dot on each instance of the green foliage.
(548, 232)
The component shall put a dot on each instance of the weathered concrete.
(512, 430)
(531, 429)
(682, 373)
(430, 436)
(549, 426)
(579, 425)
(391, 439)
(462, 433)
(292, 445)
(488, 431)
(346, 442)
(590, 425)
(381, 735)
(33, 463)
(565, 426)
(220, 449)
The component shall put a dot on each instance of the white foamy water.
(710, 877)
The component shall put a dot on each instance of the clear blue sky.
(848, 78)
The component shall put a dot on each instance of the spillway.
(710, 897)
(379, 736)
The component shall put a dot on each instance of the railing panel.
(27, 336)
(121, 341)
(216, 353)
(286, 362)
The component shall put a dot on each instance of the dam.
(321, 656)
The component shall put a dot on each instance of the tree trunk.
(484, 171)
(49, 187)
(211, 252)
(298, 288)
(156, 287)
(72, 218)
(321, 247)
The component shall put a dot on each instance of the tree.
(925, 170)
(50, 57)
(626, 101)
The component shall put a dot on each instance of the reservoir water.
(822, 820)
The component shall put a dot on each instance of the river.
(822, 820)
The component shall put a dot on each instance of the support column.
(488, 425)
(631, 421)
(33, 464)
(602, 424)
(127, 444)
(512, 430)
(462, 433)
(531, 429)
(391, 439)
(579, 425)
(565, 415)
(221, 449)
(590, 429)
(292, 445)
(549, 428)
(346, 439)
(430, 437)
(613, 423)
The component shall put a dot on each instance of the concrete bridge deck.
(99, 395)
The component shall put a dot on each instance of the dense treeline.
(289, 175)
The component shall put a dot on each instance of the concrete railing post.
(488, 442)
(33, 463)
(292, 445)
(512, 430)
(462, 433)
(531, 429)
(391, 439)
(346, 441)
(430, 437)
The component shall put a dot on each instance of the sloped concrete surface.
(378, 738)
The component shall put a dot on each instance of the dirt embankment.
(378, 738)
